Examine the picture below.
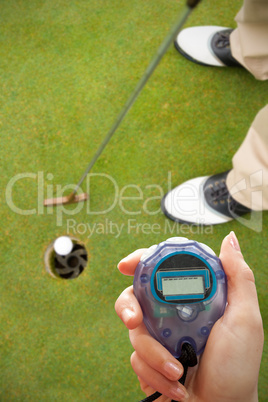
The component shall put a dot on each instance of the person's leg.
(220, 198)
(248, 180)
(249, 41)
(245, 46)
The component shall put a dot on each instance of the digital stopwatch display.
(182, 277)
(179, 286)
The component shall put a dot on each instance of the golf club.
(74, 197)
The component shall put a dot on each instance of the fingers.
(127, 265)
(155, 365)
(128, 309)
(171, 389)
(154, 353)
(149, 391)
(127, 306)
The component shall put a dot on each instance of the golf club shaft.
(149, 71)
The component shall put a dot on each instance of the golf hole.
(68, 266)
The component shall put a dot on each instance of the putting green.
(66, 70)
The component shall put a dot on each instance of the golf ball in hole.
(63, 245)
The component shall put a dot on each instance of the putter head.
(68, 199)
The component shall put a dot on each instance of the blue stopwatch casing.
(182, 289)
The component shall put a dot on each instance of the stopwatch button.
(148, 252)
(144, 278)
(220, 275)
(166, 333)
(177, 240)
(204, 331)
(185, 311)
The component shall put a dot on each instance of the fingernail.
(180, 394)
(234, 242)
(127, 314)
(173, 371)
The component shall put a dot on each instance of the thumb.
(242, 317)
(128, 265)
(241, 291)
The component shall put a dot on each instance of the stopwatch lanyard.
(187, 359)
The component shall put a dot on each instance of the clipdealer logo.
(133, 227)
(131, 198)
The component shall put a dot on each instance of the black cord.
(152, 397)
(187, 359)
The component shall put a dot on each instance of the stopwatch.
(182, 290)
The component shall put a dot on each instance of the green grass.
(66, 70)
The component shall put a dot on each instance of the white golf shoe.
(202, 201)
(206, 45)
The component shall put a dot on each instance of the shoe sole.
(171, 217)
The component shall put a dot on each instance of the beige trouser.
(249, 41)
(248, 180)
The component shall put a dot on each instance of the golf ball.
(63, 245)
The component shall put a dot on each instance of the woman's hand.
(229, 367)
